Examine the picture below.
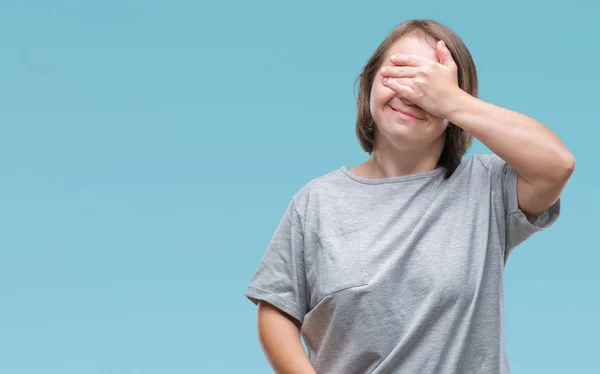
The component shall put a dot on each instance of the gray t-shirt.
(401, 274)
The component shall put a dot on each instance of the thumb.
(443, 54)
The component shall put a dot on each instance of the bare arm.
(279, 336)
(543, 162)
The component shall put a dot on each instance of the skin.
(279, 335)
(422, 78)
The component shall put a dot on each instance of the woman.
(396, 265)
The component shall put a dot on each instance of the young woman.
(396, 265)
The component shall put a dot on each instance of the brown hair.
(457, 140)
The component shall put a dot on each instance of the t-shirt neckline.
(400, 178)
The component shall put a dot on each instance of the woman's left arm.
(543, 162)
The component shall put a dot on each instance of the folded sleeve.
(517, 228)
(280, 277)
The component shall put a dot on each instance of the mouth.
(405, 115)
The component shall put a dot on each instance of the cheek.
(381, 94)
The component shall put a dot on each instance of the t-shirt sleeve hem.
(542, 221)
(255, 294)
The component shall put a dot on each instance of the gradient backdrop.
(148, 150)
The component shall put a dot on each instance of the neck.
(388, 161)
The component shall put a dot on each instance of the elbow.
(556, 173)
(568, 167)
(559, 167)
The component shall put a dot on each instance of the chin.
(397, 132)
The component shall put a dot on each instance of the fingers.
(410, 60)
(399, 71)
(399, 85)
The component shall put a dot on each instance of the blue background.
(148, 150)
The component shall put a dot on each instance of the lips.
(404, 112)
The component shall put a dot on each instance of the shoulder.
(477, 163)
(491, 161)
(478, 173)
(324, 184)
(482, 163)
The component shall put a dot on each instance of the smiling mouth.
(403, 113)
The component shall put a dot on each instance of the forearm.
(280, 340)
(534, 151)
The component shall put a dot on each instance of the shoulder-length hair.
(457, 140)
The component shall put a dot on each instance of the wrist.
(459, 103)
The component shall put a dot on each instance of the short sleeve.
(517, 227)
(280, 277)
